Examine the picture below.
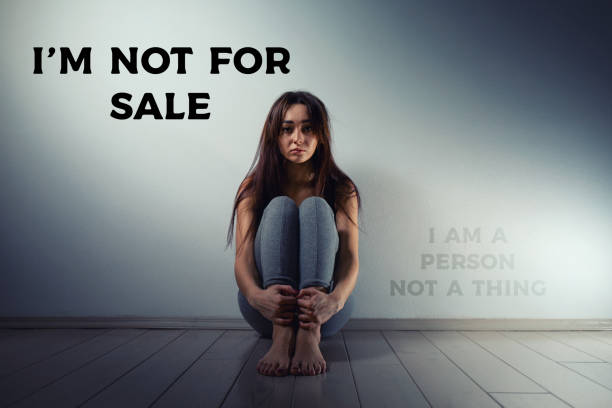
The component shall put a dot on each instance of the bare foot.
(308, 359)
(276, 361)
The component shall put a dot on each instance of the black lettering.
(148, 99)
(238, 60)
(165, 60)
(83, 58)
(127, 109)
(194, 105)
(271, 63)
(170, 114)
(131, 64)
(215, 60)
(181, 51)
(37, 58)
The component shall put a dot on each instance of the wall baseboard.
(353, 324)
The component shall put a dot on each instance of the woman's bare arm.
(245, 270)
(347, 265)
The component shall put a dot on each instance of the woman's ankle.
(310, 333)
(282, 332)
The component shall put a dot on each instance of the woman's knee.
(315, 207)
(314, 202)
(278, 210)
(281, 202)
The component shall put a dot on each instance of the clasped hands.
(314, 306)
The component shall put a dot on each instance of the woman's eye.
(307, 129)
(286, 129)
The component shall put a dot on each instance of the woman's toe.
(281, 371)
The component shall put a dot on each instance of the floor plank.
(529, 401)
(598, 372)
(7, 332)
(334, 388)
(605, 336)
(252, 389)
(234, 345)
(565, 384)
(549, 347)
(478, 364)
(77, 387)
(141, 386)
(368, 347)
(38, 375)
(379, 375)
(20, 351)
(584, 343)
(206, 383)
(442, 382)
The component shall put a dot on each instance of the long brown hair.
(266, 174)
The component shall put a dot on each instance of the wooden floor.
(211, 368)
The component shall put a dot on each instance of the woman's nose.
(297, 136)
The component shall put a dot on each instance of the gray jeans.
(296, 246)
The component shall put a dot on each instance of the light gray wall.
(480, 117)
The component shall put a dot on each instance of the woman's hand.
(276, 303)
(316, 307)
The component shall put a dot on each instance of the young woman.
(297, 256)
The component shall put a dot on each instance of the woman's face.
(297, 141)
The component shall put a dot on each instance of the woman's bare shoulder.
(245, 183)
(346, 191)
(247, 201)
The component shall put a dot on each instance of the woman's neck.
(299, 175)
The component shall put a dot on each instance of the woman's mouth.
(297, 151)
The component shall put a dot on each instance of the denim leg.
(318, 243)
(275, 249)
(297, 247)
(276, 243)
